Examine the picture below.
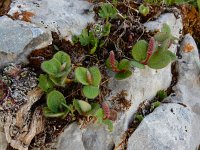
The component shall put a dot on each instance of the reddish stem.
(113, 63)
(149, 50)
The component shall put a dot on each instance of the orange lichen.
(188, 48)
(25, 16)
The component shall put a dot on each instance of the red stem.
(149, 51)
(113, 64)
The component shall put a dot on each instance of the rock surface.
(70, 139)
(176, 125)
(19, 38)
(169, 127)
(65, 17)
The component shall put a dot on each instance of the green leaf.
(166, 29)
(144, 10)
(75, 39)
(96, 75)
(106, 29)
(155, 105)
(109, 124)
(107, 11)
(139, 117)
(123, 75)
(94, 41)
(172, 55)
(161, 36)
(51, 67)
(84, 38)
(81, 75)
(84, 106)
(55, 100)
(99, 114)
(139, 50)
(198, 4)
(48, 113)
(77, 107)
(124, 64)
(160, 59)
(161, 95)
(63, 57)
(137, 64)
(90, 92)
(45, 83)
(95, 107)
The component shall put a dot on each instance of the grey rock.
(96, 137)
(188, 86)
(19, 38)
(65, 17)
(169, 127)
(70, 139)
(3, 142)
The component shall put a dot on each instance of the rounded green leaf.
(45, 83)
(136, 64)
(62, 57)
(51, 67)
(55, 100)
(81, 75)
(90, 92)
(81, 106)
(123, 75)
(48, 113)
(124, 64)
(96, 75)
(159, 59)
(161, 36)
(84, 106)
(139, 50)
(166, 28)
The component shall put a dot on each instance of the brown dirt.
(4, 7)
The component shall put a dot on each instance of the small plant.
(161, 95)
(144, 10)
(107, 11)
(93, 110)
(154, 105)
(91, 79)
(57, 70)
(56, 105)
(139, 117)
(121, 69)
(155, 54)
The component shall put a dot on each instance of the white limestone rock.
(19, 38)
(66, 17)
(169, 127)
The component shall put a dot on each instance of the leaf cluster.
(155, 54)
(90, 79)
(57, 70)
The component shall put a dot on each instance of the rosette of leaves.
(107, 11)
(57, 70)
(56, 105)
(122, 68)
(91, 79)
(87, 38)
(155, 54)
(93, 110)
